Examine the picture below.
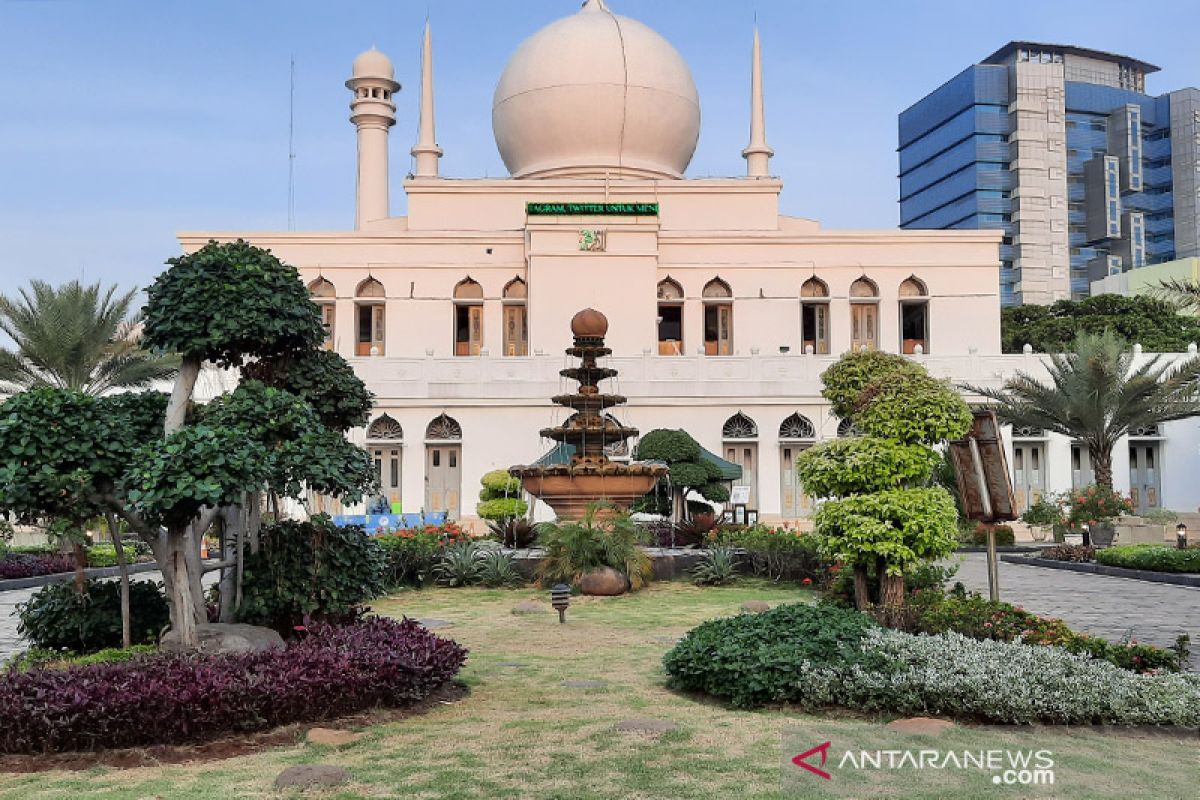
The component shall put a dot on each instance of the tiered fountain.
(589, 476)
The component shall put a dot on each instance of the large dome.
(596, 94)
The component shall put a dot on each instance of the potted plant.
(1042, 517)
(1093, 509)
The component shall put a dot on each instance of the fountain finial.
(589, 324)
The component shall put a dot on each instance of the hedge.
(1152, 557)
(174, 699)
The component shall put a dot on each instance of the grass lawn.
(522, 734)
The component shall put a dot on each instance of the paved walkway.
(1113, 608)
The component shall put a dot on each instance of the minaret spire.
(757, 153)
(427, 151)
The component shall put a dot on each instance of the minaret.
(372, 111)
(427, 151)
(757, 154)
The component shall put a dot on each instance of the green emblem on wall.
(591, 209)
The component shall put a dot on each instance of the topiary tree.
(882, 512)
(500, 498)
(688, 471)
(172, 476)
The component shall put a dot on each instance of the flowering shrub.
(411, 553)
(817, 657)
(172, 699)
(1076, 553)
(1155, 557)
(977, 618)
(1096, 504)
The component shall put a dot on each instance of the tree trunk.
(181, 395)
(80, 554)
(891, 599)
(862, 588)
(1101, 465)
(170, 551)
(231, 537)
(114, 533)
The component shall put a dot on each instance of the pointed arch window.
(739, 426)
(384, 429)
(814, 317)
(846, 428)
(864, 315)
(914, 316)
(370, 302)
(797, 427)
(443, 428)
(324, 295)
(718, 318)
(516, 318)
(468, 318)
(670, 318)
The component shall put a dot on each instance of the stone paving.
(1113, 608)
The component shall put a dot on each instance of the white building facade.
(722, 312)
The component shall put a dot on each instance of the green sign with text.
(591, 209)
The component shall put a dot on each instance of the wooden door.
(1144, 480)
(864, 326)
(745, 455)
(443, 478)
(516, 331)
(793, 501)
(1029, 473)
(1081, 467)
(388, 473)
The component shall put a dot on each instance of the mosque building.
(722, 312)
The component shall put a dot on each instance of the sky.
(123, 122)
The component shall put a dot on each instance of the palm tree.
(1097, 393)
(77, 337)
(85, 339)
(1185, 293)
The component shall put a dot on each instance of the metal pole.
(993, 567)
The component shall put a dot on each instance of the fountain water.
(589, 476)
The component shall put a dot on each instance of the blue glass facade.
(955, 159)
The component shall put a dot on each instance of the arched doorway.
(443, 466)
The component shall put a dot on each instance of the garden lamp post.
(1181, 536)
(560, 598)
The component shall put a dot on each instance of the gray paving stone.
(1112, 608)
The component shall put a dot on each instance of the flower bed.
(29, 565)
(1151, 557)
(173, 699)
(976, 618)
(1075, 553)
(821, 656)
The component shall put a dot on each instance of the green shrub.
(574, 548)
(502, 508)
(498, 570)
(753, 659)
(911, 408)
(1004, 535)
(860, 464)
(409, 560)
(717, 567)
(57, 618)
(314, 569)
(459, 564)
(850, 374)
(779, 553)
(40, 658)
(1152, 557)
(820, 657)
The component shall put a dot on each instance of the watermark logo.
(1007, 767)
(802, 760)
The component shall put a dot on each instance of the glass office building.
(1061, 148)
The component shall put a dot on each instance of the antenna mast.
(292, 145)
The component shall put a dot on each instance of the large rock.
(331, 737)
(303, 776)
(604, 581)
(222, 637)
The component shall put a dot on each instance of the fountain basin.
(570, 488)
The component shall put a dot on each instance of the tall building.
(1062, 149)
